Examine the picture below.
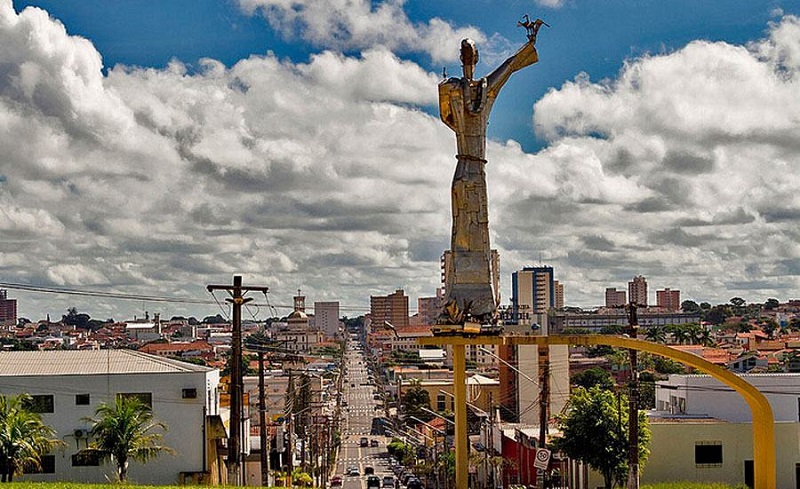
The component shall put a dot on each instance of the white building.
(702, 429)
(68, 386)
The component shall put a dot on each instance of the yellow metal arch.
(763, 421)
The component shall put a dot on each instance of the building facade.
(392, 308)
(702, 429)
(534, 288)
(326, 318)
(68, 386)
(558, 287)
(8, 309)
(637, 291)
(669, 299)
(615, 298)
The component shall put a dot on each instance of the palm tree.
(24, 438)
(125, 430)
(656, 334)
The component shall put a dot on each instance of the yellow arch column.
(763, 421)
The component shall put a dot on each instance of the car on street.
(364, 442)
(374, 443)
(388, 481)
(374, 481)
(369, 470)
(336, 481)
(352, 471)
(414, 483)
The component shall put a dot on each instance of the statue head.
(469, 57)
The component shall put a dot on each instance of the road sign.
(542, 458)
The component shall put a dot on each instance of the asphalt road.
(358, 393)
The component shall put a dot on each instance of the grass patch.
(78, 485)
(692, 485)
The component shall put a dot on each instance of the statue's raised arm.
(525, 56)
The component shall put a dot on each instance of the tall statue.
(464, 105)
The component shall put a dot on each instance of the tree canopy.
(24, 438)
(591, 377)
(595, 430)
(414, 399)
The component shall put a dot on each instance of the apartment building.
(637, 291)
(392, 308)
(669, 299)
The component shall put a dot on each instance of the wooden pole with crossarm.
(236, 291)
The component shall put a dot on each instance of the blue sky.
(652, 138)
(591, 37)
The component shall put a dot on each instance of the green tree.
(718, 314)
(74, 318)
(690, 307)
(656, 334)
(414, 399)
(595, 430)
(24, 438)
(771, 304)
(591, 377)
(124, 430)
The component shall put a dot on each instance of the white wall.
(184, 418)
(705, 395)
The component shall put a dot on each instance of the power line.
(41, 289)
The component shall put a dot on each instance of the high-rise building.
(8, 309)
(637, 291)
(669, 299)
(559, 291)
(326, 318)
(615, 298)
(392, 308)
(534, 288)
(429, 308)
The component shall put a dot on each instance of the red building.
(669, 299)
(8, 309)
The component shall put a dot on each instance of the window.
(189, 394)
(41, 404)
(145, 398)
(86, 459)
(82, 399)
(440, 403)
(47, 466)
(708, 454)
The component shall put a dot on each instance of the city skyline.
(156, 149)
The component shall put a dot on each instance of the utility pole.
(633, 404)
(490, 443)
(262, 419)
(544, 401)
(236, 291)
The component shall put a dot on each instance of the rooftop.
(88, 362)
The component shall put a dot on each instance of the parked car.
(388, 481)
(336, 481)
(369, 470)
(374, 481)
(352, 471)
(364, 442)
(374, 443)
(414, 483)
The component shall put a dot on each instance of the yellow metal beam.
(460, 394)
(763, 421)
